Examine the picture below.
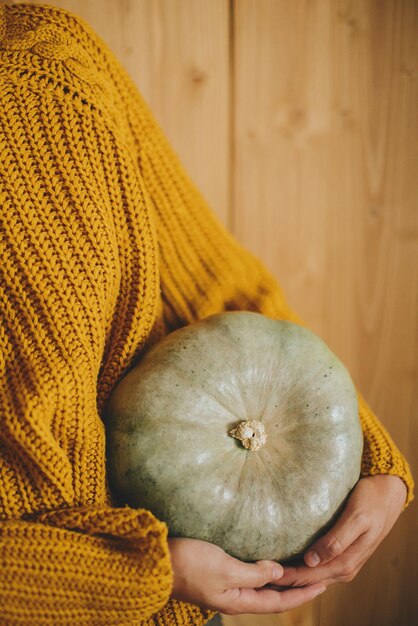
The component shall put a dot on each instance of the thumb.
(252, 575)
(346, 530)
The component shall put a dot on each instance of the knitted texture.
(106, 247)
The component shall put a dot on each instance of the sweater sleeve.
(84, 566)
(204, 270)
(76, 302)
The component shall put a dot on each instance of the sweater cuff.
(175, 613)
(380, 453)
(84, 566)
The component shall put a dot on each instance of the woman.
(107, 246)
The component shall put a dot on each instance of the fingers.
(349, 527)
(373, 507)
(248, 578)
(269, 601)
(340, 569)
(253, 575)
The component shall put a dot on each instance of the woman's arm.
(72, 298)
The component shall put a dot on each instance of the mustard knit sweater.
(106, 246)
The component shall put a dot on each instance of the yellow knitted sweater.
(106, 246)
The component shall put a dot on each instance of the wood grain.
(297, 120)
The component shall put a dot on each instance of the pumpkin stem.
(251, 434)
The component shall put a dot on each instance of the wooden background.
(297, 119)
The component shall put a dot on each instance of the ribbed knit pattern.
(106, 246)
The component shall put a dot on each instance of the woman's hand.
(371, 511)
(205, 575)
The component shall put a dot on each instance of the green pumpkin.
(239, 430)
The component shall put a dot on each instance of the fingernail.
(321, 590)
(312, 558)
(277, 573)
